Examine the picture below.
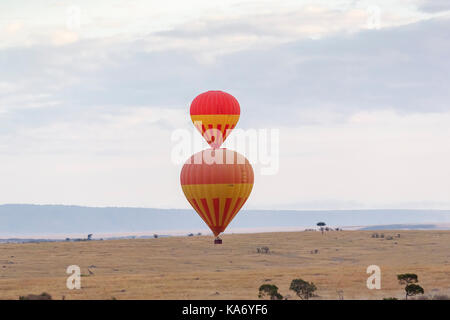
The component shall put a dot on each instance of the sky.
(358, 91)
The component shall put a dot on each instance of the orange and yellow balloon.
(217, 183)
(215, 114)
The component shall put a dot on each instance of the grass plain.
(194, 268)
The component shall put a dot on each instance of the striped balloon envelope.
(217, 183)
(215, 114)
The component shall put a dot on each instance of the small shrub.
(441, 297)
(264, 250)
(42, 296)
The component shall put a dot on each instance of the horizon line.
(190, 209)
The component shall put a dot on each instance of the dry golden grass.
(193, 268)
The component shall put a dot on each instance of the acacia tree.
(407, 278)
(413, 289)
(302, 288)
(321, 225)
(269, 290)
(410, 280)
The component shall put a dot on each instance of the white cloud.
(377, 159)
(402, 68)
(64, 37)
(14, 101)
(434, 5)
(86, 116)
(371, 160)
(121, 159)
(239, 23)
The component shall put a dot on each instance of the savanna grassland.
(194, 268)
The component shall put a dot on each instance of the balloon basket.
(217, 241)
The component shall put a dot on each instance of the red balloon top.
(215, 102)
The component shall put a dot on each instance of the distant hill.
(24, 219)
(402, 227)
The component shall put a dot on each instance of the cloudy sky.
(91, 95)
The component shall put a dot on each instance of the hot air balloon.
(215, 114)
(217, 183)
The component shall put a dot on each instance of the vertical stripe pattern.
(215, 114)
(217, 192)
